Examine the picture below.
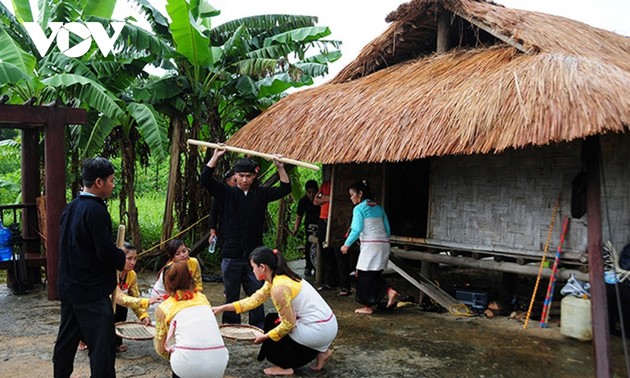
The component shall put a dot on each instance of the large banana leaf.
(257, 67)
(10, 52)
(236, 45)
(189, 40)
(100, 8)
(202, 11)
(93, 137)
(301, 35)
(65, 11)
(247, 87)
(312, 69)
(157, 21)
(279, 83)
(22, 10)
(139, 39)
(15, 29)
(10, 74)
(54, 62)
(261, 26)
(152, 127)
(88, 91)
(274, 51)
(327, 57)
(158, 91)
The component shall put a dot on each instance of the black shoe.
(308, 271)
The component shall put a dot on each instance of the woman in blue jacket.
(371, 227)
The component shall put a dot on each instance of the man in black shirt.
(88, 260)
(216, 211)
(310, 213)
(244, 207)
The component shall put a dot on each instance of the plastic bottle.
(213, 244)
(6, 250)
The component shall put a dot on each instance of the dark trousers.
(120, 316)
(329, 266)
(371, 287)
(237, 273)
(285, 352)
(335, 264)
(307, 249)
(343, 269)
(94, 323)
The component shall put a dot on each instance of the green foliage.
(10, 171)
(150, 216)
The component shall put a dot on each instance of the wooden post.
(443, 42)
(30, 189)
(599, 306)
(427, 268)
(55, 161)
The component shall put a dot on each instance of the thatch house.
(469, 119)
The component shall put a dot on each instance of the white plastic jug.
(575, 318)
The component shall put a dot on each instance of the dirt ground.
(405, 342)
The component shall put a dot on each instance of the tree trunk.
(167, 226)
(284, 221)
(129, 179)
(188, 210)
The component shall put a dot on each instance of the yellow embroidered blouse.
(165, 313)
(128, 295)
(281, 290)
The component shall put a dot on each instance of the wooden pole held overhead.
(253, 153)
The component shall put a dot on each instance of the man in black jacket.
(88, 260)
(244, 207)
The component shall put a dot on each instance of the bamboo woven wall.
(507, 200)
(616, 189)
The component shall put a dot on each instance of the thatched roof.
(514, 78)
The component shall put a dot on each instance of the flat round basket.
(134, 331)
(241, 332)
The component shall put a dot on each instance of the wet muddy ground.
(405, 342)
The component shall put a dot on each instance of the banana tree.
(101, 84)
(225, 76)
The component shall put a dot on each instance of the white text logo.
(85, 31)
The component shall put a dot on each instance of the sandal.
(324, 287)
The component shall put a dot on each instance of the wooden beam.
(510, 41)
(25, 117)
(599, 306)
(487, 264)
(423, 283)
(492, 250)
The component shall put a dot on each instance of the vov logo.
(61, 33)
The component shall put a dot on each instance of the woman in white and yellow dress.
(177, 250)
(187, 333)
(304, 327)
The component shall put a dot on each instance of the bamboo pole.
(544, 319)
(253, 153)
(542, 261)
(120, 237)
(120, 240)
